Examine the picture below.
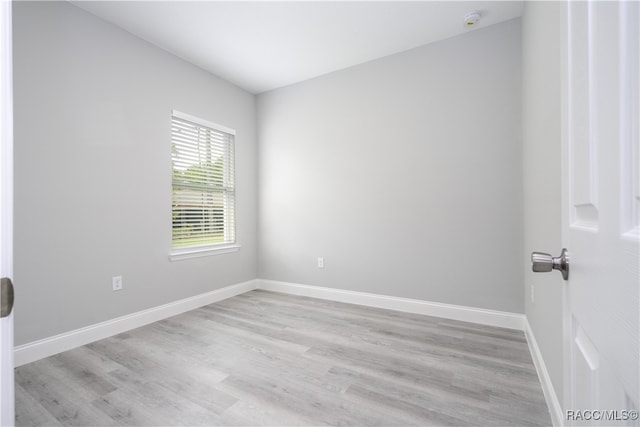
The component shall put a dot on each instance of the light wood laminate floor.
(264, 358)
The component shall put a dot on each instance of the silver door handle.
(542, 263)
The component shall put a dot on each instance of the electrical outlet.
(320, 262)
(116, 282)
(533, 300)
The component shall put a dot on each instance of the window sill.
(201, 252)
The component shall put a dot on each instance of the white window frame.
(213, 249)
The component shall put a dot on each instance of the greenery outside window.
(203, 200)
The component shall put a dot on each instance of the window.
(203, 201)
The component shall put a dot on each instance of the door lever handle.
(542, 263)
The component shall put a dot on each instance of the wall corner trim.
(46, 347)
(555, 410)
(448, 311)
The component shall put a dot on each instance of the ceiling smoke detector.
(471, 18)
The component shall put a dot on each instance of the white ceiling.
(264, 45)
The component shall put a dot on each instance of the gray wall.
(403, 173)
(93, 171)
(542, 176)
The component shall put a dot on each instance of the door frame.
(7, 391)
(564, 207)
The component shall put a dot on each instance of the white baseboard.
(40, 349)
(550, 396)
(448, 311)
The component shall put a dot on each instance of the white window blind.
(203, 205)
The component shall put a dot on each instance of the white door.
(601, 203)
(6, 211)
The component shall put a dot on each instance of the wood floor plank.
(30, 411)
(67, 404)
(265, 358)
(252, 413)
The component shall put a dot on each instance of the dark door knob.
(6, 297)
